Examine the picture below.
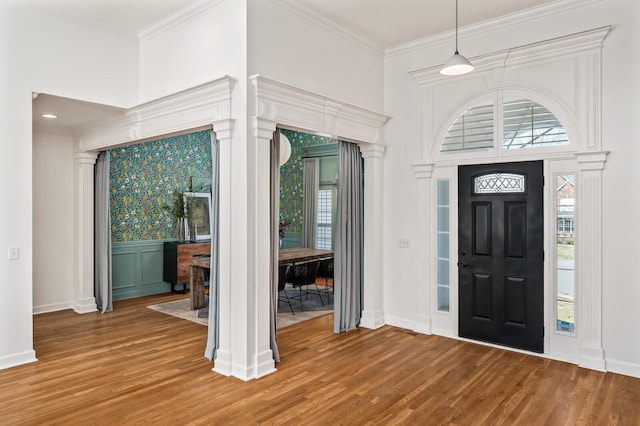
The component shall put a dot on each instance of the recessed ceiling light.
(49, 116)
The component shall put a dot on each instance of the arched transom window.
(525, 124)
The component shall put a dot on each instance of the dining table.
(291, 256)
(288, 256)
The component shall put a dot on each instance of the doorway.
(500, 254)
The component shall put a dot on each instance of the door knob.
(462, 264)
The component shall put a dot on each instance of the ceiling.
(382, 23)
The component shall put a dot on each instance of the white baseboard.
(14, 360)
(52, 307)
(403, 323)
(623, 367)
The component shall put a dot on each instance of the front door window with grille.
(326, 213)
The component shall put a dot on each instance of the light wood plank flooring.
(138, 366)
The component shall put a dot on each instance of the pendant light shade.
(457, 64)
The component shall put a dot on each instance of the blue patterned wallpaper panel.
(291, 176)
(143, 178)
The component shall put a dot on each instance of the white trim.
(274, 102)
(405, 323)
(292, 107)
(304, 12)
(176, 18)
(83, 295)
(52, 307)
(623, 367)
(470, 31)
(514, 71)
(199, 106)
(14, 360)
(564, 46)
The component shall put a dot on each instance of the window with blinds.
(525, 124)
(324, 224)
(472, 131)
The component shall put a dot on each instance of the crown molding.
(568, 45)
(297, 108)
(312, 16)
(475, 30)
(197, 107)
(176, 18)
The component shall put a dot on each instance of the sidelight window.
(565, 252)
(442, 244)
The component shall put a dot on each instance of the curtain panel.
(213, 335)
(275, 240)
(349, 250)
(310, 187)
(102, 235)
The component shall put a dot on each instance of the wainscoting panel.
(137, 269)
(292, 239)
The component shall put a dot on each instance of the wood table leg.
(197, 287)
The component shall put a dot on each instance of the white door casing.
(562, 74)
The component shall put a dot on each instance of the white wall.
(53, 226)
(57, 56)
(620, 109)
(289, 47)
(194, 51)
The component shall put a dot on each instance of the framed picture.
(198, 206)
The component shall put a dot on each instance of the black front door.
(500, 259)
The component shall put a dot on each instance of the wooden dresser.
(177, 256)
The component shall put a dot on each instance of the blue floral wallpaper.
(291, 176)
(143, 178)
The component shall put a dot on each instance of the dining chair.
(301, 276)
(282, 283)
(325, 272)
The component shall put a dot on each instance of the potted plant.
(180, 211)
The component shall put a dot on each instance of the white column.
(424, 174)
(589, 259)
(83, 293)
(373, 311)
(263, 363)
(224, 361)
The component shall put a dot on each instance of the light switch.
(403, 242)
(14, 253)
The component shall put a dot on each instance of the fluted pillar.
(224, 360)
(424, 177)
(373, 313)
(589, 259)
(83, 291)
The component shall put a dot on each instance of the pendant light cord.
(456, 27)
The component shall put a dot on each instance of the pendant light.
(457, 64)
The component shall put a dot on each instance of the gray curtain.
(213, 337)
(310, 186)
(102, 235)
(275, 240)
(349, 239)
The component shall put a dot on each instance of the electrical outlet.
(14, 253)
(403, 242)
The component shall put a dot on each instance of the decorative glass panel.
(498, 183)
(527, 124)
(472, 131)
(565, 253)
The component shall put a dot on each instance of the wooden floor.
(138, 366)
